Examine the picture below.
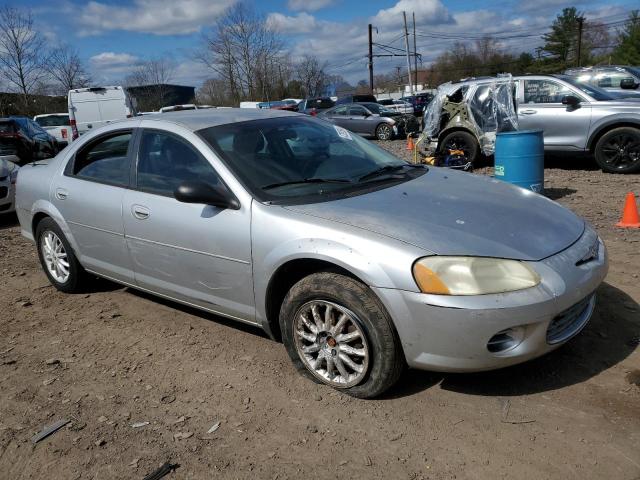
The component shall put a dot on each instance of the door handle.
(61, 194)
(528, 112)
(140, 212)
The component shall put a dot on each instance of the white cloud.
(112, 59)
(159, 17)
(428, 12)
(308, 5)
(291, 25)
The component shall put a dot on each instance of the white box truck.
(96, 106)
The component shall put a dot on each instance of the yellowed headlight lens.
(429, 281)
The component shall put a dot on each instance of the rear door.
(89, 196)
(198, 254)
(338, 115)
(540, 108)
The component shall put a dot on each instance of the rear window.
(53, 121)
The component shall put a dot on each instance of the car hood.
(455, 213)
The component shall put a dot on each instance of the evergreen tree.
(628, 50)
(561, 42)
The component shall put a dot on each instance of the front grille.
(571, 321)
(3, 192)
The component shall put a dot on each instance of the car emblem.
(592, 253)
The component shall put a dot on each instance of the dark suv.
(312, 106)
(419, 102)
(23, 140)
(356, 99)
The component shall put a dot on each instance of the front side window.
(105, 160)
(338, 111)
(300, 159)
(165, 161)
(545, 91)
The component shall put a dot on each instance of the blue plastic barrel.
(519, 159)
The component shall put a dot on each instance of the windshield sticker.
(342, 132)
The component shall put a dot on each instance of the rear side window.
(105, 160)
(165, 161)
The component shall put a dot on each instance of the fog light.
(506, 340)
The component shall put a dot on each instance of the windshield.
(377, 108)
(302, 159)
(596, 93)
(53, 121)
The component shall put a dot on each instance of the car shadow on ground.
(610, 337)
(557, 193)
(228, 322)
(8, 220)
(562, 161)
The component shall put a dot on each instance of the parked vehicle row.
(57, 125)
(623, 81)
(288, 223)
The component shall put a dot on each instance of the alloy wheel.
(331, 343)
(384, 132)
(55, 256)
(621, 151)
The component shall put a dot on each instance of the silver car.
(8, 175)
(361, 263)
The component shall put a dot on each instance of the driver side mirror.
(628, 83)
(570, 101)
(195, 191)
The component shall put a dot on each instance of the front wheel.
(57, 258)
(618, 151)
(384, 132)
(338, 333)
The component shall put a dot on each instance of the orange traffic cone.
(630, 218)
(410, 145)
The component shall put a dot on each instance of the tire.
(76, 277)
(618, 150)
(366, 321)
(384, 132)
(461, 140)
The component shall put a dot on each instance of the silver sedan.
(361, 263)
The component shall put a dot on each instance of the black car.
(419, 102)
(312, 106)
(356, 99)
(23, 140)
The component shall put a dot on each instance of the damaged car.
(575, 117)
(372, 119)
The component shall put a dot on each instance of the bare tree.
(22, 50)
(243, 51)
(66, 69)
(311, 74)
(151, 79)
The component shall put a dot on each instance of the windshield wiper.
(305, 180)
(387, 169)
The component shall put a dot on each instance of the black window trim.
(134, 163)
(68, 169)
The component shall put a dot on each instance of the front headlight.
(472, 275)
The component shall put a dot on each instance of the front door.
(359, 121)
(194, 253)
(541, 108)
(89, 197)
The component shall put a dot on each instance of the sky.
(113, 36)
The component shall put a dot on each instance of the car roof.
(198, 119)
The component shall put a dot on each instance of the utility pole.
(580, 24)
(371, 58)
(415, 54)
(406, 44)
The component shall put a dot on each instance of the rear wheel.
(338, 333)
(384, 132)
(57, 258)
(618, 151)
(461, 140)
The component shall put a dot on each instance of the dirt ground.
(114, 358)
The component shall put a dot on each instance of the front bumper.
(452, 333)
